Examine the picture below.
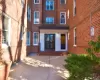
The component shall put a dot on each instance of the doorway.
(50, 41)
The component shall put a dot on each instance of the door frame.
(49, 41)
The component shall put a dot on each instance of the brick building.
(71, 23)
(47, 28)
(84, 22)
(13, 22)
(51, 26)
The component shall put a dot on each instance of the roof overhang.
(54, 27)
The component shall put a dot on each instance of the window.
(29, 13)
(21, 36)
(63, 41)
(49, 20)
(49, 4)
(75, 37)
(28, 38)
(74, 7)
(35, 38)
(68, 14)
(36, 1)
(6, 31)
(92, 31)
(36, 17)
(62, 1)
(63, 18)
(22, 3)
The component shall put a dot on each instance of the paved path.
(39, 68)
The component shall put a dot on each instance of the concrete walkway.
(39, 68)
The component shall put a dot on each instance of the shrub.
(83, 67)
(80, 67)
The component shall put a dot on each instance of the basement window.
(62, 1)
(36, 1)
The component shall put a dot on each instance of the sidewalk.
(39, 68)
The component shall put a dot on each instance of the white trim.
(58, 42)
(68, 14)
(68, 34)
(42, 42)
(38, 39)
(75, 45)
(74, 6)
(36, 3)
(92, 31)
(9, 32)
(65, 17)
(38, 18)
(74, 37)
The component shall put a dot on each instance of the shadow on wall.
(22, 27)
(17, 53)
(3, 4)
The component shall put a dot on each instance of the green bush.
(80, 67)
(83, 67)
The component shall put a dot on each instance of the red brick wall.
(17, 14)
(43, 14)
(85, 10)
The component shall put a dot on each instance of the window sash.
(36, 1)
(28, 39)
(5, 30)
(50, 5)
(50, 20)
(63, 19)
(35, 38)
(5, 37)
(29, 13)
(36, 17)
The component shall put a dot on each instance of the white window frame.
(68, 35)
(61, 3)
(29, 38)
(36, 3)
(29, 13)
(34, 17)
(22, 3)
(68, 14)
(49, 5)
(74, 37)
(5, 45)
(35, 44)
(65, 17)
(49, 19)
(74, 7)
(92, 31)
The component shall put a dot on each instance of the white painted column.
(66, 42)
(57, 42)
(42, 46)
